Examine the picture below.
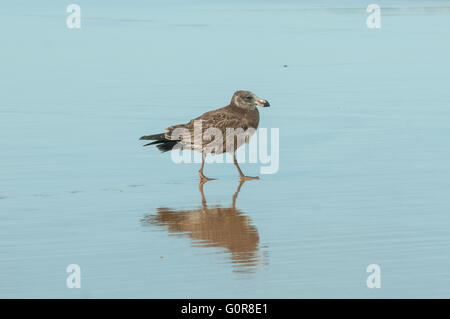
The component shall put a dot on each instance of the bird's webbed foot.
(247, 178)
(203, 178)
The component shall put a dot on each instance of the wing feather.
(219, 119)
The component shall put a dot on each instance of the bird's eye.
(248, 98)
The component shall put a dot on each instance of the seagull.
(241, 113)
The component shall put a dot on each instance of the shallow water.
(364, 132)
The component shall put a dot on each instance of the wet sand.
(364, 129)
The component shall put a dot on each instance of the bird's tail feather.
(159, 136)
(163, 144)
(166, 145)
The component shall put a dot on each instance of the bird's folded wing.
(215, 126)
(211, 120)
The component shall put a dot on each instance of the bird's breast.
(253, 118)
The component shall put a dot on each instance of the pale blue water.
(364, 118)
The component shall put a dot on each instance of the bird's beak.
(262, 102)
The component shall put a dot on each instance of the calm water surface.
(364, 178)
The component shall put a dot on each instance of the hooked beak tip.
(263, 103)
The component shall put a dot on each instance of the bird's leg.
(239, 170)
(203, 178)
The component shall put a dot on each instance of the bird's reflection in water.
(215, 226)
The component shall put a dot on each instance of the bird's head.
(247, 100)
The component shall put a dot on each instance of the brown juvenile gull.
(241, 115)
